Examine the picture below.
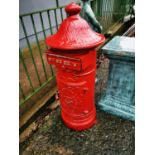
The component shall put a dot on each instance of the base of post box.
(82, 124)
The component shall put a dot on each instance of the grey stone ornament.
(89, 16)
(119, 97)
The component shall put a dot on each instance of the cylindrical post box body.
(72, 51)
(77, 95)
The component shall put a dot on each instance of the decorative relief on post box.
(72, 99)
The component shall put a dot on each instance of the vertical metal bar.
(110, 20)
(106, 23)
(61, 14)
(56, 21)
(30, 50)
(55, 13)
(97, 6)
(124, 8)
(25, 68)
(57, 3)
(95, 3)
(34, 28)
(109, 10)
(48, 13)
(92, 5)
(42, 24)
(115, 10)
(21, 90)
(100, 8)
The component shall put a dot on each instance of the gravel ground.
(110, 136)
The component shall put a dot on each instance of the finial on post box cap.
(73, 9)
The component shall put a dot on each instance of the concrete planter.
(119, 97)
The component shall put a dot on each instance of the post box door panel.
(74, 95)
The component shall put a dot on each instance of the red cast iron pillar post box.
(72, 51)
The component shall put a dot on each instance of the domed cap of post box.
(74, 32)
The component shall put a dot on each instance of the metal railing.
(32, 52)
(109, 12)
(35, 73)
